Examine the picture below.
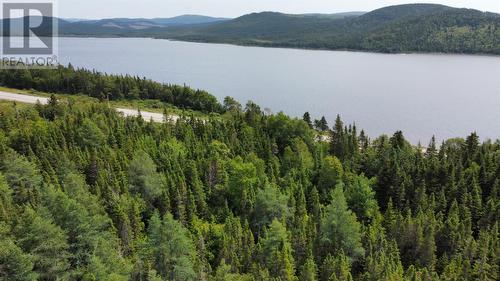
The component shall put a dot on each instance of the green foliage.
(93, 246)
(361, 198)
(309, 271)
(340, 230)
(330, 175)
(224, 274)
(277, 252)
(22, 176)
(143, 177)
(6, 204)
(383, 261)
(270, 204)
(171, 249)
(242, 185)
(89, 135)
(86, 194)
(231, 105)
(15, 265)
(46, 243)
(336, 268)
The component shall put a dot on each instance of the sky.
(97, 9)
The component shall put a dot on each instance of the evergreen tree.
(143, 178)
(171, 249)
(321, 125)
(338, 146)
(277, 252)
(340, 231)
(46, 243)
(336, 268)
(309, 271)
(307, 119)
(22, 176)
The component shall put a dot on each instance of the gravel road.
(147, 116)
(22, 98)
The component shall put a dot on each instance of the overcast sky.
(96, 9)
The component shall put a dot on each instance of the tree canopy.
(86, 194)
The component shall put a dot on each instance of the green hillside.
(458, 31)
(404, 28)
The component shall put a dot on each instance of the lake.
(422, 95)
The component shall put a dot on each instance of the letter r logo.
(28, 28)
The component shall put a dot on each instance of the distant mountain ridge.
(188, 19)
(121, 26)
(393, 29)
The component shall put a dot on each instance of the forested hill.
(403, 28)
(86, 194)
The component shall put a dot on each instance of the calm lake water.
(422, 95)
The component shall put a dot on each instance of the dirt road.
(147, 116)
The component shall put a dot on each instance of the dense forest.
(86, 194)
(394, 29)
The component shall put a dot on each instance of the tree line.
(79, 81)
